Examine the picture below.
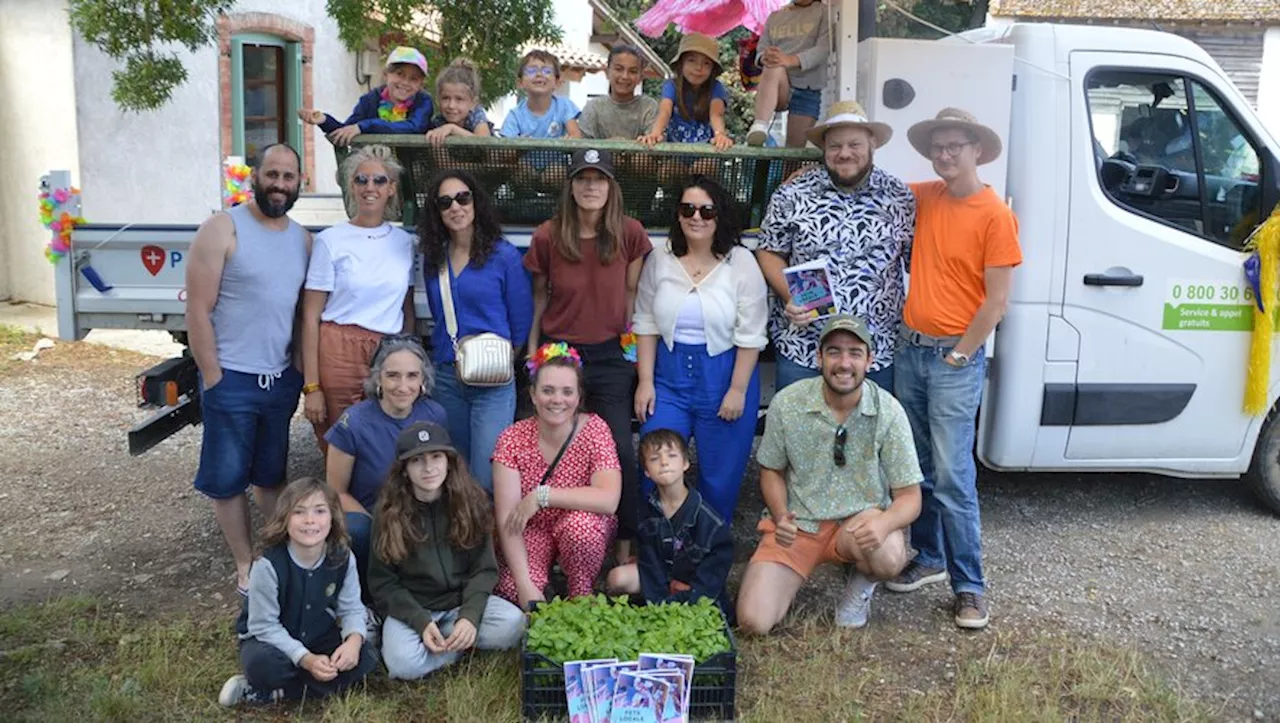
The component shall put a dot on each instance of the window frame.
(1266, 162)
(291, 92)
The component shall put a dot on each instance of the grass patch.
(72, 659)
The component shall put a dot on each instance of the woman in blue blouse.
(491, 292)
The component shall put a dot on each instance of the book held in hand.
(810, 287)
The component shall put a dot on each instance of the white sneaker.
(233, 691)
(855, 605)
(758, 134)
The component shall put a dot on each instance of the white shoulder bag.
(482, 360)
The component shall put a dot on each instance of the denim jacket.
(686, 557)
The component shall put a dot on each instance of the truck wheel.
(1264, 472)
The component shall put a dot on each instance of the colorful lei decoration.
(547, 352)
(628, 343)
(236, 186)
(391, 111)
(60, 213)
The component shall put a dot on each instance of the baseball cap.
(409, 56)
(422, 437)
(601, 160)
(849, 323)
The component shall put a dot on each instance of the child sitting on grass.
(458, 98)
(793, 52)
(302, 628)
(685, 547)
(398, 106)
(433, 567)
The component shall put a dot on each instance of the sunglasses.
(364, 179)
(544, 70)
(837, 451)
(708, 212)
(444, 203)
(388, 339)
(951, 150)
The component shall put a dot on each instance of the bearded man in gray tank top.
(244, 280)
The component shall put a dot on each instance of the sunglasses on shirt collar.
(444, 203)
(837, 451)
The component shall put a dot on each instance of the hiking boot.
(915, 577)
(971, 610)
(237, 690)
(758, 134)
(855, 604)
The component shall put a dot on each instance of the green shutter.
(237, 97)
(293, 95)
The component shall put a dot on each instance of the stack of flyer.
(810, 288)
(653, 689)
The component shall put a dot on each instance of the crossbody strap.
(446, 300)
(546, 476)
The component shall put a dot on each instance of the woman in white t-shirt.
(704, 295)
(359, 288)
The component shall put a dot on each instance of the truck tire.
(1264, 472)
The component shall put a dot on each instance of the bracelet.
(543, 496)
(309, 388)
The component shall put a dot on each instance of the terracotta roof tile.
(572, 56)
(1185, 10)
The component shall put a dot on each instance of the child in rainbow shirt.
(398, 106)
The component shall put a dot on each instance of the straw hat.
(699, 43)
(921, 134)
(849, 113)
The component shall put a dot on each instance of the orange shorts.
(812, 549)
(807, 552)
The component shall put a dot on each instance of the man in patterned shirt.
(840, 480)
(857, 217)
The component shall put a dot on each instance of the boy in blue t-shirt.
(542, 114)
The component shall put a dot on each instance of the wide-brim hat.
(699, 43)
(921, 134)
(599, 159)
(849, 113)
(422, 437)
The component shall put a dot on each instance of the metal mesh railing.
(525, 177)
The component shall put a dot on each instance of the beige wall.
(38, 119)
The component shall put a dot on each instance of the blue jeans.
(941, 402)
(360, 529)
(689, 386)
(474, 416)
(788, 372)
(805, 101)
(246, 431)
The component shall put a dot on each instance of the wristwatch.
(958, 358)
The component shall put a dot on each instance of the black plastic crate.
(715, 686)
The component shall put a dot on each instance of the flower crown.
(547, 352)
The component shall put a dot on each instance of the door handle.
(1113, 279)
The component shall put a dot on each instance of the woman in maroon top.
(586, 264)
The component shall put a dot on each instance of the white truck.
(1137, 172)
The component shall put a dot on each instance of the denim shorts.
(246, 431)
(805, 101)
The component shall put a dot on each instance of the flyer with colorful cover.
(674, 711)
(573, 688)
(640, 698)
(682, 663)
(599, 682)
(811, 288)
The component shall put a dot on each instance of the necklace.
(382, 230)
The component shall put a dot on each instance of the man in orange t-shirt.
(966, 246)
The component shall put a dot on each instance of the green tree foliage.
(489, 32)
(136, 32)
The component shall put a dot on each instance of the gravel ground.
(1185, 571)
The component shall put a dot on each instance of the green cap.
(849, 323)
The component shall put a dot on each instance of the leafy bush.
(600, 627)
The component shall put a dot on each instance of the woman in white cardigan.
(704, 295)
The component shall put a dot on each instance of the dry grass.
(71, 659)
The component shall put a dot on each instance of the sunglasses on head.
(388, 339)
(364, 179)
(444, 203)
(708, 212)
(837, 451)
